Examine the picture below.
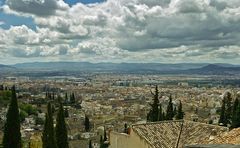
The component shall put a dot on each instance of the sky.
(139, 31)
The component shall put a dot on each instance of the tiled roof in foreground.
(231, 137)
(173, 134)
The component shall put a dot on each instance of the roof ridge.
(165, 121)
(212, 125)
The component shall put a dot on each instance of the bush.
(29, 109)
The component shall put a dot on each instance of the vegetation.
(90, 144)
(125, 128)
(87, 124)
(157, 113)
(230, 111)
(12, 134)
(170, 112)
(103, 140)
(61, 129)
(153, 113)
(5, 96)
(180, 113)
(48, 137)
(28, 108)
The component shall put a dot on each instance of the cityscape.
(119, 74)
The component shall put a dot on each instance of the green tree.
(66, 98)
(170, 113)
(228, 108)
(72, 98)
(90, 144)
(161, 114)
(238, 116)
(180, 113)
(48, 137)
(103, 140)
(61, 129)
(87, 124)
(226, 114)
(222, 119)
(234, 113)
(174, 111)
(12, 134)
(125, 128)
(153, 114)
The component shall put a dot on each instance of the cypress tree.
(125, 128)
(174, 111)
(72, 98)
(170, 114)
(237, 124)
(234, 113)
(12, 134)
(222, 119)
(87, 124)
(48, 137)
(103, 140)
(228, 108)
(90, 144)
(61, 129)
(180, 113)
(105, 135)
(153, 114)
(161, 114)
(66, 98)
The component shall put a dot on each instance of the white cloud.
(37, 7)
(127, 30)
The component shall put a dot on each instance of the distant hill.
(4, 68)
(63, 68)
(113, 67)
(215, 69)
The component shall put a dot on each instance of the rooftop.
(171, 134)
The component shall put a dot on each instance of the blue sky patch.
(13, 20)
(72, 2)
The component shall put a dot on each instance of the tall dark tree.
(12, 134)
(238, 116)
(61, 129)
(125, 128)
(90, 144)
(153, 114)
(66, 98)
(234, 113)
(103, 140)
(222, 119)
(170, 113)
(228, 107)
(180, 113)
(87, 124)
(174, 111)
(105, 135)
(161, 114)
(72, 98)
(1, 87)
(48, 138)
(66, 113)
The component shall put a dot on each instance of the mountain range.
(153, 68)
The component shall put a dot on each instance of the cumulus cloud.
(36, 7)
(127, 30)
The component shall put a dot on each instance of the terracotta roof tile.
(169, 134)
